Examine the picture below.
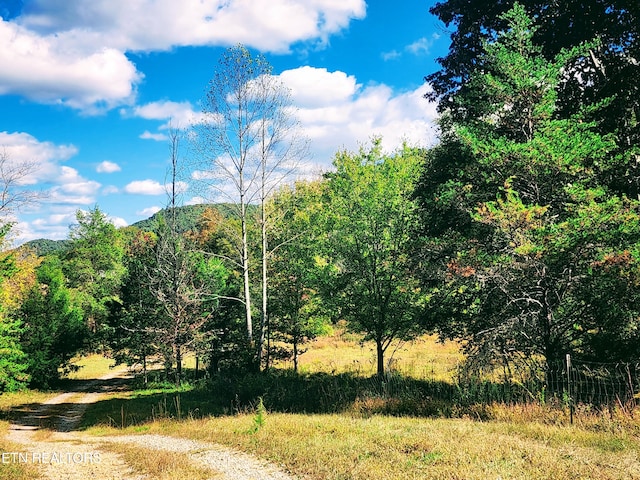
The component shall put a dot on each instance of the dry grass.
(424, 358)
(10, 470)
(91, 366)
(336, 447)
(11, 400)
(161, 465)
(520, 442)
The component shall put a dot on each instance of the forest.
(517, 234)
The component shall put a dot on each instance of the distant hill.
(187, 218)
(44, 246)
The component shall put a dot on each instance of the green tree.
(13, 362)
(93, 265)
(514, 204)
(53, 330)
(131, 332)
(608, 70)
(370, 228)
(297, 312)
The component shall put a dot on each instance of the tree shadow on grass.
(280, 390)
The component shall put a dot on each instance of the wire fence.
(569, 382)
(598, 384)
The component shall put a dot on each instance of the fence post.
(569, 392)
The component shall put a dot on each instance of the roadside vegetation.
(466, 310)
(348, 425)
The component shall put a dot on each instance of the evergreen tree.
(529, 238)
(93, 265)
(54, 329)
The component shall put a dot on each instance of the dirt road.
(49, 440)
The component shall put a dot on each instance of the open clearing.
(46, 440)
(510, 442)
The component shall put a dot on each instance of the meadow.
(335, 420)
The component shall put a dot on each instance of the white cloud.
(392, 55)
(347, 114)
(178, 114)
(145, 187)
(158, 137)
(54, 69)
(118, 221)
(146, 25)
(110, 190)
(23, 148)
(148, 212)
(152, 187)
(315, 87)
(72, 52)
(54, 227)
(108, 167)
(420, 47)
(196, 201)
(423, 45)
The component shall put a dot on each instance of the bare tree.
(251, 143)
(174, 280)
(13, 195)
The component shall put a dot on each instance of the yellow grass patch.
(161, 465)
(339, 446)
(423, 358)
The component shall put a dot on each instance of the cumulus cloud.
(108, 167)
(72, 188)
(63, 189)
(73, 52)
(178, 115)
(149, 211)
(118, 221)
(54, 226)
(152, 187)
(316, 87)
(146, 25)
(145, 187)
(23, 148)
(343, 113)
(53, 69)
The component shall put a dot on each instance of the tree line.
(518, 233)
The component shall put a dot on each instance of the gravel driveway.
(62, 454)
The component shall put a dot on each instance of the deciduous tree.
(252, 142)
(370, 229)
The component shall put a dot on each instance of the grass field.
(356, 442)
(334, 421)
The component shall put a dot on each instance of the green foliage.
(93, 265)
(527, 237)
(129, 330)
(44, 246)
(187, 217)
(54, 329)
(297, 312)
(13, 361)
(607, 71)
(372, 223)
(260, 417)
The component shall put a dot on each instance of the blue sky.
(88, 88)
